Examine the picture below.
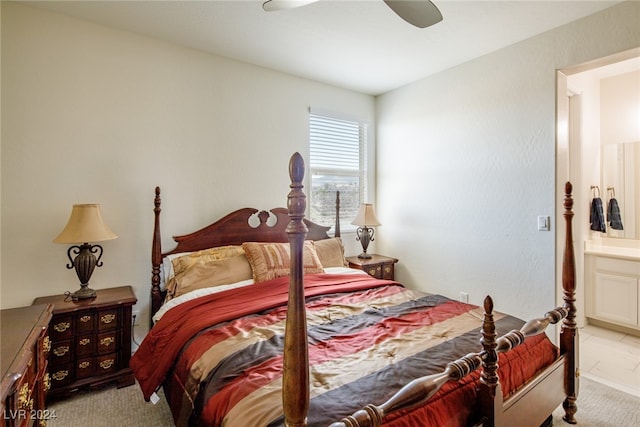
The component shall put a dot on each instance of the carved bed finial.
(296, 200)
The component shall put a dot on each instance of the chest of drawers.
(25, 345)
(90, 340)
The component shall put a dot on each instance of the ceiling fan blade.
(421, 13)
(274, 5)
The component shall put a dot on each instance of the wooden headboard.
(233, 229)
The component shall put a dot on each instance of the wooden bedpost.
(336, 230)
(295, 378)
(569, 331)
(490, 392)
(156, 259)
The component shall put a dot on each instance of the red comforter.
(222, 354)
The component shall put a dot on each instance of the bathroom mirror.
(621, 177)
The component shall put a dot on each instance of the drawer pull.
(85, 319)
(108, 318)
(46, 344)
(107, 341)
(106, 364)
(84, 341)
(84, 365)
(24, 399)
(62, 326)
(47, 382)
(61, 351)
(60, 375)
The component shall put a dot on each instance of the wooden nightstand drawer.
(85, 368)
(85, 322)
(61, 352)
(107, 342)
(85, 345)
(108, 319)
(388, 272)
(92, 345)
(61, 375)
(61, 328)
(107, 364)
(378, 266)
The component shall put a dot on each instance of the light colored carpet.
(110, 407)
(602, 406)
(598, 406)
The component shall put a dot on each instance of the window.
(337, 157)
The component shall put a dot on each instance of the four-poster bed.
(318, 342)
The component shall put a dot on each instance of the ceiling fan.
(421, 13)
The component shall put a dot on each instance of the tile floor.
(610, 357)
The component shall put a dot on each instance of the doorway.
(578, 159)
(578, 152)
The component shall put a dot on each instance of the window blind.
(337, 162)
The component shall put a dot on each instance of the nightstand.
(378, 266)
(90, 340)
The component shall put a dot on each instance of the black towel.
(597, 216)
(613, 215)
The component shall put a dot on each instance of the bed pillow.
(212, 254)
(331, 252)
(204, 272)
(271, 260)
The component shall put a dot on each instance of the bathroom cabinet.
(613, 290)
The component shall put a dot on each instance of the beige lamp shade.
(85, 225)
(366, 216)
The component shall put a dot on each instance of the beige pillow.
(182, 263)
(331, 252)
(206, 273)
(271, 260)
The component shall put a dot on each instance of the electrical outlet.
(464, 297)
(136, 318)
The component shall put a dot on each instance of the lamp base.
(85, 292)
(364, 255)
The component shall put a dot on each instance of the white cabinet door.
(616, 298)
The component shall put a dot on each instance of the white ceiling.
(356, 44)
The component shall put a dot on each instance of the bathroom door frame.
(569, 163)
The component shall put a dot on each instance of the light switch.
(544, 223)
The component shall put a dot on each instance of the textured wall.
(92, 114)
(466, 163)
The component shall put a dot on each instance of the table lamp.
(365, 219)
(85, 225)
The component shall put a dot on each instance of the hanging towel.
(597, 216)
(613, 215)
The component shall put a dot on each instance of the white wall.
(621, 108)
(466, 163)
(0, 162)
(93, 114)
